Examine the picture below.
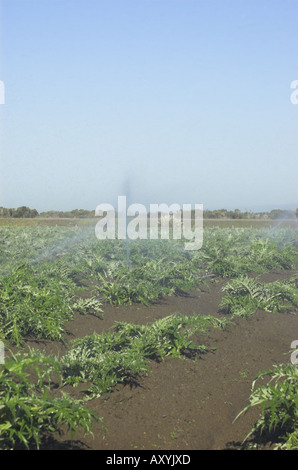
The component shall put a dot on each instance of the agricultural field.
(155, 348)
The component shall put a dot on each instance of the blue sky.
(177, 101)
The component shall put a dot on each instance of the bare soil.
(189, 403)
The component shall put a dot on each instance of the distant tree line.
(237, 214)
(26, 212)
(20, 212)
(75, 213)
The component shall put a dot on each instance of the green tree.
(25, 211)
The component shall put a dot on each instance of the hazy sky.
(177, 101)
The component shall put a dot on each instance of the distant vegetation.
(20, 212)
(26, 212)
(237, 214)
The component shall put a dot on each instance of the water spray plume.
(127, 194)
(281, 222)
(67, 244)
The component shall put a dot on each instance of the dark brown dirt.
(185, 404)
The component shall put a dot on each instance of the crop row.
(45, 270)
(42, 281)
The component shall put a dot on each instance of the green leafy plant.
(32, 305)
(122, 353)
(278, 404)
(245, 295)
(91, 306)
(27, 409)
(235, 252)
